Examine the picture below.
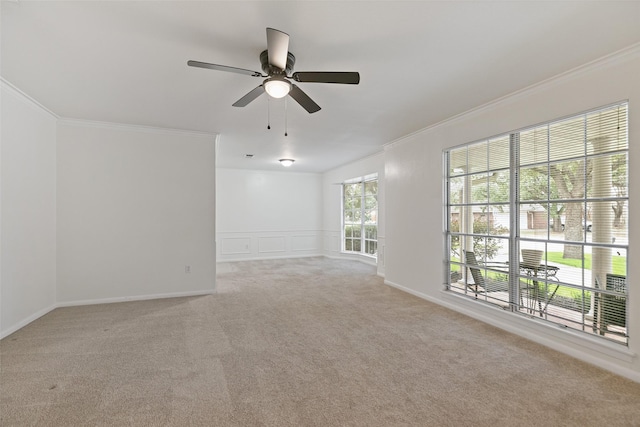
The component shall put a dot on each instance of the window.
(537, 222)
(360, 215)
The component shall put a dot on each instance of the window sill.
(368, 259)
(568, 341)
(375, 257)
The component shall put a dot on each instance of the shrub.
(482, 245)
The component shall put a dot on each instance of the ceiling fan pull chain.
(285, 117)
(277, 64)
(268, 114)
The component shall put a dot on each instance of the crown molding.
(351, 162)
(616, 57)
(10, 87)
(137, 128)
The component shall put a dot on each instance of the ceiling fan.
(277, 62)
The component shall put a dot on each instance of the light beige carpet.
(305, 342)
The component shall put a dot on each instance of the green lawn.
(568, 292)
(619, 263)
(619, 266)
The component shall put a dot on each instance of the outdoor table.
(542, 270)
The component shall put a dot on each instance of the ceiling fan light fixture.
(277, 64)
(286, 162)
(277, 88)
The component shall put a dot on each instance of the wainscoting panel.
(332, 243)
(336, 243)
(381, 255)
(307, 242)
(239, 246)
(326, 243)
(271, 244)
(235, 245)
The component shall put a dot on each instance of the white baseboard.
(586, 348)
(363, 259)
(265, 258)
(44, 311)
(410, 291)
(135, 298)
(26, 321)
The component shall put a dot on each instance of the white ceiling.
(420, 62)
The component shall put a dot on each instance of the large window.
(537, 222)
(360, 215)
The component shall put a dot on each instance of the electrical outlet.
(187, 269)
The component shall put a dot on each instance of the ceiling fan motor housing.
(277, 65)
(270, 70)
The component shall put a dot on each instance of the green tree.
(534, 186)
(571, 180)
(485, 247)
(619, 171)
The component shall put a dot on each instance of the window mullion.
(362, 217)
(514, 220)
(584, 158)
(446, 225)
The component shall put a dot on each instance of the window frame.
(364, 239)
(456, 263)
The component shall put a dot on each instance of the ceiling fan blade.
(278, 48)
(245, 100)
(343, 77)
(224, 68)
(303, 99)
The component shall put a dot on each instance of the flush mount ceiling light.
(277, 87)
(286, 162)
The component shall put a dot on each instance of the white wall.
(135, 206)
(414, 196)
(332, 207)
(28, 213)
(265, 214)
